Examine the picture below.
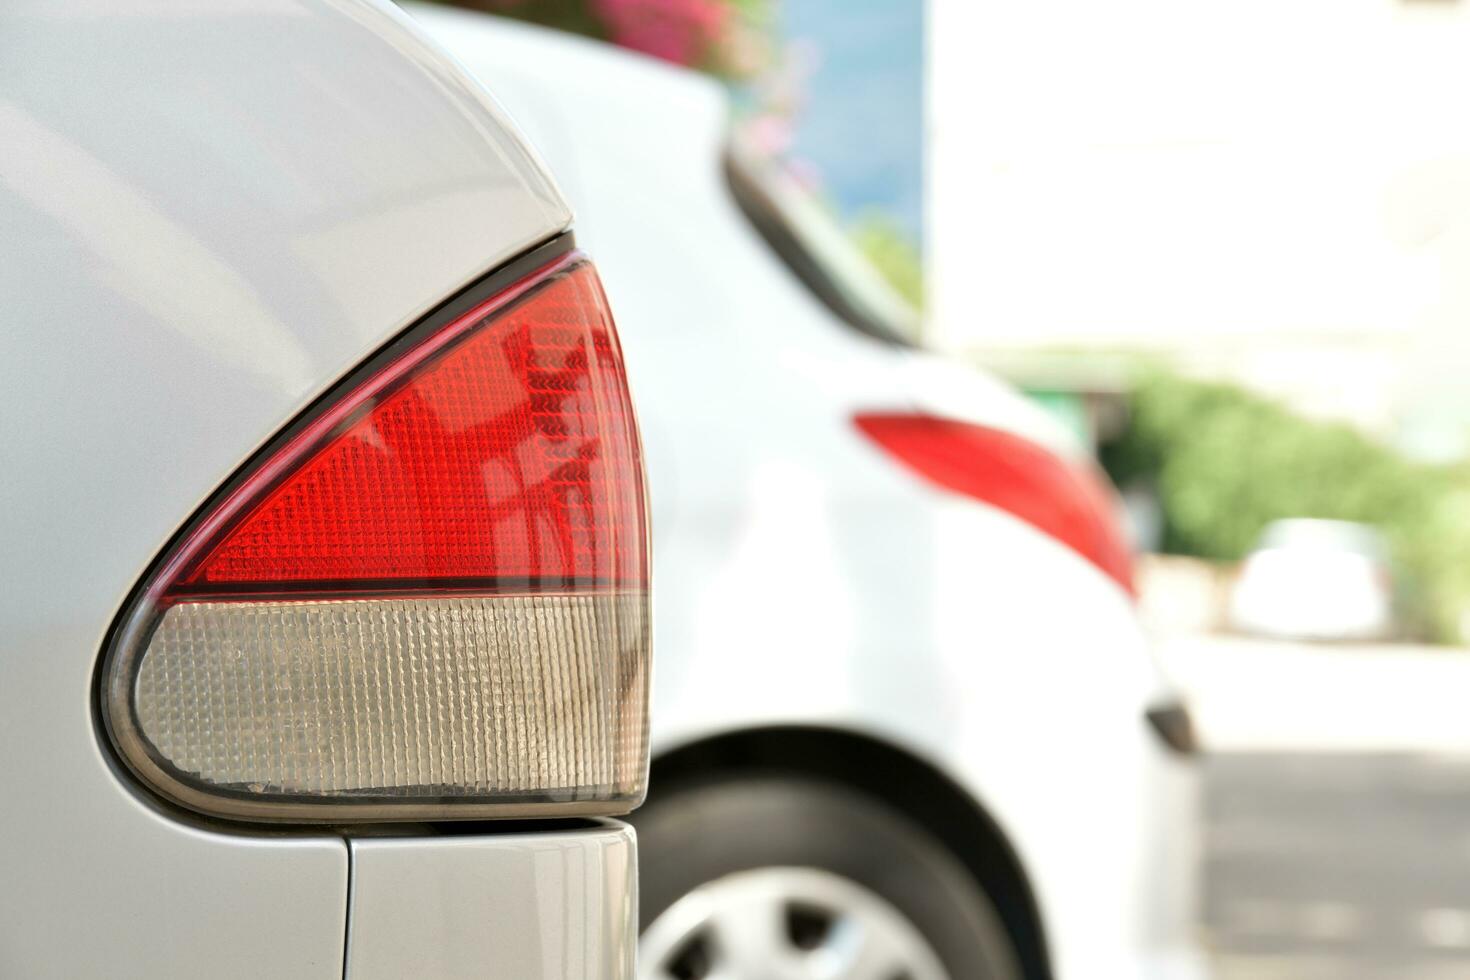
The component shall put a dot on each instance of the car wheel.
(780, 878)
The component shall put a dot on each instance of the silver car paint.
(208, 212)
(539, 905)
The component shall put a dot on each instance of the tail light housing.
(1070, 500)
(428, 600)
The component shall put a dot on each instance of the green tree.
(1226, 462)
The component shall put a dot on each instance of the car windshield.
(827, 155)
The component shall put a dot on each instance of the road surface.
(1339, 866)
(1337, 803)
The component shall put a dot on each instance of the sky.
(864, 120)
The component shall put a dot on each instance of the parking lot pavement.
(1337, 802)
(1340, 866)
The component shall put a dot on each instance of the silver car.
(324, 509)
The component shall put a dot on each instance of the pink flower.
(681, 31)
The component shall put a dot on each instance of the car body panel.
(210, 212)
(804, 577)
(461, 908)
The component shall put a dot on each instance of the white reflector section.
(524, 699)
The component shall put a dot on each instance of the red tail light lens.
(1071, 501)
(501, 454)
(431, 601)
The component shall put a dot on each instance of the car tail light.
(429, 601)
(1069, 500)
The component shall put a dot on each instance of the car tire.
(697, 835)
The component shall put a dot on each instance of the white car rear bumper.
(558, 905)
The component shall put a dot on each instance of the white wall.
(1134, 168)
(1157, 173)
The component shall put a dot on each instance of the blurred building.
(1277, 193)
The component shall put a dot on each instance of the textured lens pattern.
(505, 698)
(510, 454)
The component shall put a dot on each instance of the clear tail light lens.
(430, 601)
(1069, 500)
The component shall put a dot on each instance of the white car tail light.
(430, 601)
(1068, 499)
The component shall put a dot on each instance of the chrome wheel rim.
(785, 924)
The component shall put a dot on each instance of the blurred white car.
(1317, 580)
(323, 514)
(905, 722)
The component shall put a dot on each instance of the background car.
(324, 509)
(905, 722)
(1316, 579)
